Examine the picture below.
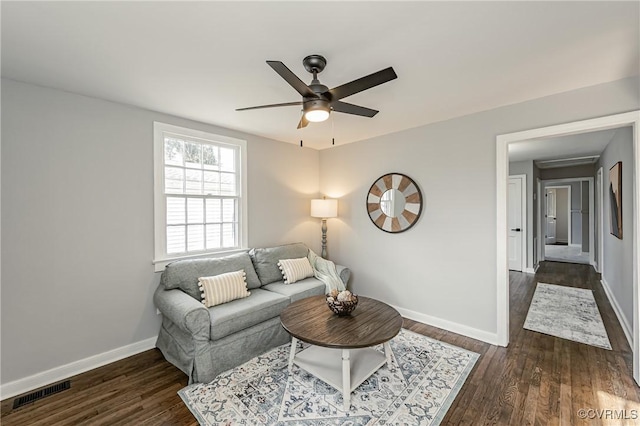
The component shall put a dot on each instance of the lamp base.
(324, 238)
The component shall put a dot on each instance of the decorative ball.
(343, 303)
(344, 296)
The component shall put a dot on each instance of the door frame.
(539, 245)
(599, 261)
(502, 167)
(568, 188)
(592, 234)
(523, 219)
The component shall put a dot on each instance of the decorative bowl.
(343, 308)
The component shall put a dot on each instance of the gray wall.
(77, 221)
(576, 213)
(618, 254)
(443, 267)
(567, 172)
(526, 168)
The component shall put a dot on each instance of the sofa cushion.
(184, 274)
(223, 288)
(265, 260)
(294, 270)
(239, 314)
(299, 290)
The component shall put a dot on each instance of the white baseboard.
(529, 271)
(616, 308)
(474, 333)
(17, 387)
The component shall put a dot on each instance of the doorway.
(558, 216)
(502, 166)
(568, 232)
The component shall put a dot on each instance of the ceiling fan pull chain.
(333, 131)
(301, 118)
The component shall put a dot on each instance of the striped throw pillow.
(295, 269)
(223, 288)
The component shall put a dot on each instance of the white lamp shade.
(324, 208)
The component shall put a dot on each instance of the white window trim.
(161, 259)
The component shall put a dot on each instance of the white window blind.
(199, 192)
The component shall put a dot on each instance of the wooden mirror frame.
(412, 197)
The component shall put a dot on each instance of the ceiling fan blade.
(291, 78)
(340, 106)
(303, 122)
(363, 83)
(270, 106)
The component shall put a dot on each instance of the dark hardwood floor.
(537, 380)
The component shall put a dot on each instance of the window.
(200, 203)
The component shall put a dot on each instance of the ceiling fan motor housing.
(323, 100)
(319, 89)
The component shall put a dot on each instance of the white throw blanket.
(325, 270)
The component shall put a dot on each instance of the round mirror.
(394, 203)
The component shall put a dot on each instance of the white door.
(514, 221)
(550, 236)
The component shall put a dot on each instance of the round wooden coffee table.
(347, 339)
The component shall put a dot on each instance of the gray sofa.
(204, 342)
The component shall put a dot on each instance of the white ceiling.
(565, 147)
(201, 60)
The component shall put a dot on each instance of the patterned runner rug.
(567, 312)
(425, 378)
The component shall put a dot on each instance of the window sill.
(160, 264)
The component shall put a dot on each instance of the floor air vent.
(42, 393)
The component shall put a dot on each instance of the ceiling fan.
(317, 99)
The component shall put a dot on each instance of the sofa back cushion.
(265, 260)
(184, 274)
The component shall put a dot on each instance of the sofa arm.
(184, 311)
(344, 273)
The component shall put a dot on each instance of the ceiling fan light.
(317, 115)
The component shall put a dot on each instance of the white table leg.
(292, 353)
(346, 379)
(387, 352)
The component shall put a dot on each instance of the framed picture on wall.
(615, 198)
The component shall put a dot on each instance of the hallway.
(578, 375)
(565, 253)
(541, 379)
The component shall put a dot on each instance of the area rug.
(418, 389)
(567, 312)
